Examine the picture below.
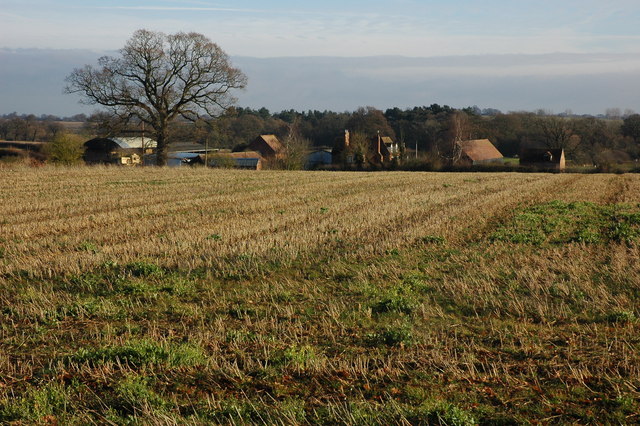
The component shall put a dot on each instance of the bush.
(65, 149)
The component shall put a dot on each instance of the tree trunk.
(162, 151)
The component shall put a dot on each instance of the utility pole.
(142, 143)
(206, 150)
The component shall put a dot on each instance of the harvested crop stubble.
(68, 220)
(204, 296)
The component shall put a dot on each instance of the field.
(198, 296)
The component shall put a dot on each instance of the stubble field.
(199, 296)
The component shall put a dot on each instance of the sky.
(579, 55)
(332, 27)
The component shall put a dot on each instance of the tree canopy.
(631, 127)
(158, 78)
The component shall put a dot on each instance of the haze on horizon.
(598, 42)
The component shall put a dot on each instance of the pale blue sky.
(334, 28)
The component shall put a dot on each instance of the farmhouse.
(377, 150)
(479, 151)
(118, 150)
(268, 146)
(382, 149)
(543, 158)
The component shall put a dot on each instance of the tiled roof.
(480, 150)
(273, 142)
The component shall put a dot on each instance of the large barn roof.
(480, 150)
(273, 142)
(134, 142)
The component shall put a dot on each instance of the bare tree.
(160, 77)
(296, 148)
(103, 124)
(558, 132)
(459, 130)
(613, 113)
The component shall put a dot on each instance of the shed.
(479, 151)
(319, 157)
(268, 146)
(543, 158)
(250, 160)
(179, 159)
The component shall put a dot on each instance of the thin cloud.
(180, 9)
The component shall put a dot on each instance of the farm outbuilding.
(543, 158)
(251, 160)
(318, 158)
(479, 151)
(180, 159)
(118, 150)
(268, 146)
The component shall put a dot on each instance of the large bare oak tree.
(158, 78)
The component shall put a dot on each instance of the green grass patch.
(559, 222)
(143, 269)
(38, 404)
(400, 335)
(142, 352)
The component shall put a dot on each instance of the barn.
(479, 151)
(268, 146)
(118, 150)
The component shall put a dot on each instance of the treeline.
(422, 130)
(426, 130)
(32, 128)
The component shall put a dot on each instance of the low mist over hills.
(32, 81)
